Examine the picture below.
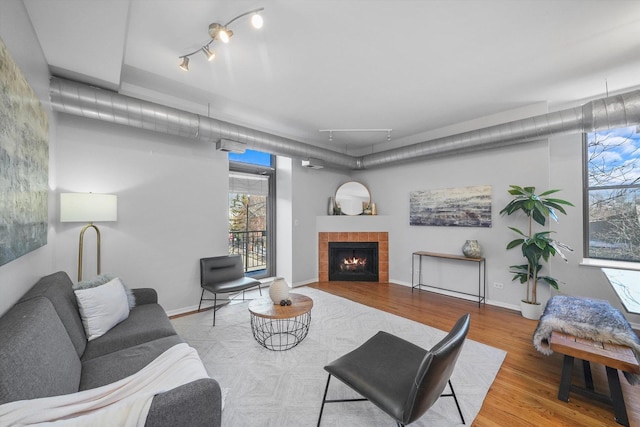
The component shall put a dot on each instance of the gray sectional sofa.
(44, 352)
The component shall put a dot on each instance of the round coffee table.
(277, 327)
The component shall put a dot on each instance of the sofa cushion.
(145, 323)
(37, 358)
(120, 364)
(57, 287)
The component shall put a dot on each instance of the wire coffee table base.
(280, 334)
(277, 327)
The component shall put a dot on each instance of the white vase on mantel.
(279, 290)
(531, 311)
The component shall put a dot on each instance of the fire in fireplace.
(353, 261)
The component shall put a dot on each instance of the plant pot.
(531, 311)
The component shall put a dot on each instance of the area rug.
(267, 388)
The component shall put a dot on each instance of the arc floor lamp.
(89, 208)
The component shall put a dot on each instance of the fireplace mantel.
(352, 223)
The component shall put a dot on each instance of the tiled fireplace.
(382, 238)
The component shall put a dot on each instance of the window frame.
(235, 166)
(588, 259)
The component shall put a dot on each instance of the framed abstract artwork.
(24, 164)
(451, 207)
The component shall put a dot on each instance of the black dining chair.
(401, 378)
(224, 274)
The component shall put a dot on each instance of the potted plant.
(537, 247)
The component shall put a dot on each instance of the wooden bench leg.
(588, 379)
(617, 399)
(565, 378)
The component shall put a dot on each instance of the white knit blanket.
(123, 403)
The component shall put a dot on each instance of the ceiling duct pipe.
(79, 99)
(605, 113)
(91, 102)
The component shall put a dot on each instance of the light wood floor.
(525, 390)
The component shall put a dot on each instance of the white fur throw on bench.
(586, 318)
(123, 403)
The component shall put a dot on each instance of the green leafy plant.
(538, 247)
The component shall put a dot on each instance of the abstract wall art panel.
(24, 164)
(461, 207)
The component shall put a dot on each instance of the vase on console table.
(279, 290)
(471, 249)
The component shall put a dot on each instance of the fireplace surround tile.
(382, 237)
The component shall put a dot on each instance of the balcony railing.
(252, 245)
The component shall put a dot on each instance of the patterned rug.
(267, 388)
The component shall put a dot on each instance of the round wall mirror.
(350, 196)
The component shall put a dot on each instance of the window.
(251, 211)
(612, 194)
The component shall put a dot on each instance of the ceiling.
(410, 66)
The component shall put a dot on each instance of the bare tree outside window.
(613, 194)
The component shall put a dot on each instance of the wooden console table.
(482, 273)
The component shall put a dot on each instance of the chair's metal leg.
(215, 303)
(455, 398)
(201, 296)
(260, 289)
(324, 399)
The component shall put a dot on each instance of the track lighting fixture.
(219, 32)
(331, 131)
(185, 63)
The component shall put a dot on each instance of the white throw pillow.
(101, 280)
(102, 307)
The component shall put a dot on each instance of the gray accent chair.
(397, 376)
(224, 274)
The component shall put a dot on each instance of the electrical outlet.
(498, 285)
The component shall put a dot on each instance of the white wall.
(172, 205)
(311, 191)
(390, 188)
(545, 164)
(17, 276)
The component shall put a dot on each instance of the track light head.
(210, 55)
(225, 35)
(185, 63)
(257, 21)
(220, 32)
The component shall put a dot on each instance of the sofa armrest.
(145, 296)
(198, 403)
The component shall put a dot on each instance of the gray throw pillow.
(101, 280)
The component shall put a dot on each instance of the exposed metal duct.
(88, 101)
(79, 99)
(615, 111)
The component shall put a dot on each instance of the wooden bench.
(613, 356)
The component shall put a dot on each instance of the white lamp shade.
(88, 207)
